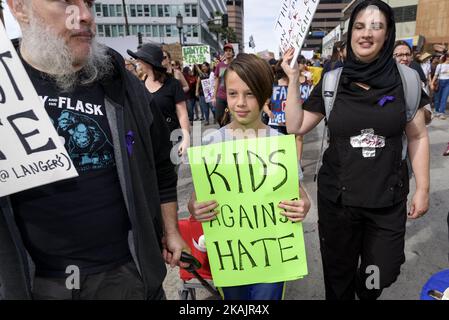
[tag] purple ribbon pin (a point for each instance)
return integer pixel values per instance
(386, 99)
(129, 142)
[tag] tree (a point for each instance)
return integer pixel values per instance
(230, 35)
(216, 27)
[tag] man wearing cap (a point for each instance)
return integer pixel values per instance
(106, 233)
(219, 99)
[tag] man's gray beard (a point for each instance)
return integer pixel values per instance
(49, 53)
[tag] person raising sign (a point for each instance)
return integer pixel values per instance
(248, 83)
(364, 182)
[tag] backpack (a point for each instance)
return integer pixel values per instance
(411, 84)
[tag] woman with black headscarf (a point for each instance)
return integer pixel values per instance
(362, 192)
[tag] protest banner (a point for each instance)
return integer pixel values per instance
(278, 101)
(250, 241)
(293, 24)
(208, 89)
(308, 54)
(195, 54)
(305, 91)
(31, 153)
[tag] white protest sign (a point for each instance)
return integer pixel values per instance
(195, 55)
(308, 54)
(31, 153)
(208, 89)
(293, 24)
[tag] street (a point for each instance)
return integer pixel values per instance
(426, 247)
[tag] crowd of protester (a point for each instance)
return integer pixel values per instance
(118, 221)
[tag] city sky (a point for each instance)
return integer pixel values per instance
(260, 19)
(11, 25)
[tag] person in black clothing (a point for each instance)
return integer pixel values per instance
(338, 57)
(166, 92)
(417, 67)
(174, 69)
(116, 223)
(363, 183)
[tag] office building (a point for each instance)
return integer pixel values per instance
(328, 15)
(432, 21)
(235, 10)
(156, 19)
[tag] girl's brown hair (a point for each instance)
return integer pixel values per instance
(256, 73)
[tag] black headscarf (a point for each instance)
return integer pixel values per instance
(382, 72)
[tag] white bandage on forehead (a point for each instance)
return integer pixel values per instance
(371, 18)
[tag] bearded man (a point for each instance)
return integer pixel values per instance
(105, 234)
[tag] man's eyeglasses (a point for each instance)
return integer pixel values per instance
(402, 55)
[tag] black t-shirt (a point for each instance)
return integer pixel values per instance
(166, 99)
(359, 176)
(417, 67)
(203, 76)
(81, 221)
(332, 65)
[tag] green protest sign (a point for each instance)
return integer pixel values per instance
(250, 241)
(196, 54)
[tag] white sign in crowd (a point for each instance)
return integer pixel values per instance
(208, 88)
(293, 24)
(329, 41)
(31, 152)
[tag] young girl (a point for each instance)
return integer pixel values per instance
(248, 82)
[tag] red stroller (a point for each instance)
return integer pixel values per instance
(198, 274)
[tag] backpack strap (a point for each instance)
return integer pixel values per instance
(411, 83)
(331, 79)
